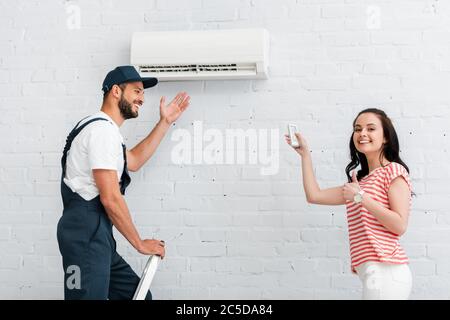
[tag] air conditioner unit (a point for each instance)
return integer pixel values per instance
(201, 55)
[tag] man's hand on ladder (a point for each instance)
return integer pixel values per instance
(152, 247)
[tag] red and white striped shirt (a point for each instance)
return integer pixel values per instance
(369, 239)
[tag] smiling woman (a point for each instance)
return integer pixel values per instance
(373, 135)
(378, 200)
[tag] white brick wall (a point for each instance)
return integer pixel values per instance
(231, 232)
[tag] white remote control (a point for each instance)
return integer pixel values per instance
(292, 129)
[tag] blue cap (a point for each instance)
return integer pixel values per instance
(125, 74)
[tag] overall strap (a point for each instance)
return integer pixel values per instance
(125, 179)
(70, 139)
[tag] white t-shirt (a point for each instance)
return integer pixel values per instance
(97, 146)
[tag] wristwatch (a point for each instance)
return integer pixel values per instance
(357, 198)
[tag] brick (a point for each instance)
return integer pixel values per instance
(42, 202)
(13, 247)
(228, 264)
(338, 294)
(198, 188)
(315, 83)
(250, 250)
(122, 18)
(10, 292)
(9, 90)
(12, 262)
(214, 235)
(274, 236)
(281, 203)
(153, 218)
(4, 76)
(329, 266)
(13, 175)
(249, 280)
(341, 11)
(437, 251)
(43, 75)
(203, 250)
(332, 24)
(10, 34)
(324, 235)
(247, 189)
(307, 220)
(271, 219)
(280, 265)
(205, 15)
(16, 189)
(396, 38)
(305, 281)
(381, 82)
(145, 189)
(203, 264)
(32, 233)
(180, 5)
(231, 293)
(423, 267)
(345, 281)
(442, 268)
(165, 16)
(5, 233)
(304, 12)
(207, 219)
(237, 236)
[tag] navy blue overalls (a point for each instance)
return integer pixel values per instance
(92, 267)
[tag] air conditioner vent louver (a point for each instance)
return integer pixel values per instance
(197, 68)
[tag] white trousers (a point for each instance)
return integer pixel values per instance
(384, 281)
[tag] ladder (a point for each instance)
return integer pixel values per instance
(147, 277)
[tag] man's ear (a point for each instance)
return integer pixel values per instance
(116, 91)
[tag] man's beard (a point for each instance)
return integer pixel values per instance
(126, 109)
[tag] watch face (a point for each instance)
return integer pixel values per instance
(357, 198)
